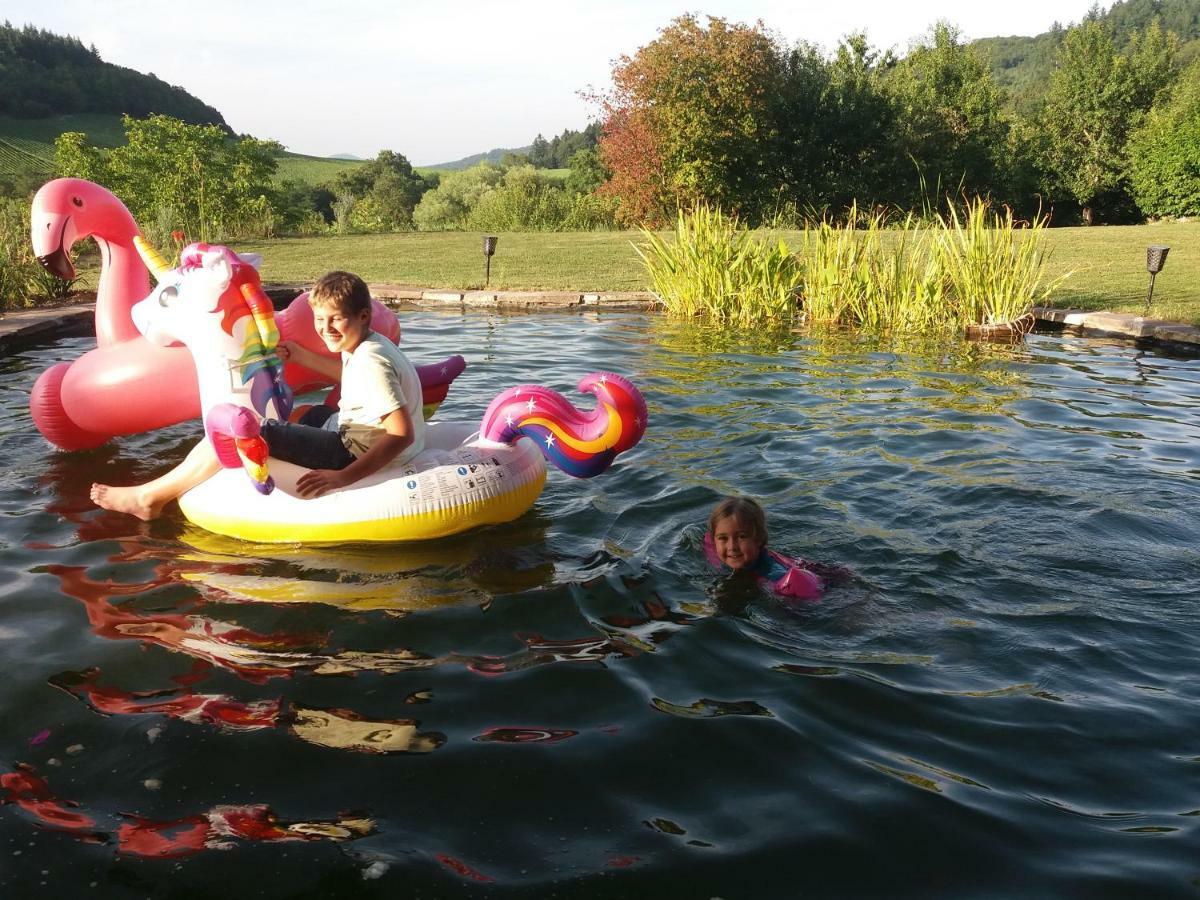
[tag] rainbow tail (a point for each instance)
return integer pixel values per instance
(235, 434)
(581, 444)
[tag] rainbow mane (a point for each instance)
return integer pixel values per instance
(581, 444)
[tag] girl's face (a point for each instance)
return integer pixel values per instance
(737, 544)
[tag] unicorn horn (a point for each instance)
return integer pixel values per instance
(152, 258)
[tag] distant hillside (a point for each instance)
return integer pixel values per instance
(545, 154)
(1022, 66)
(492, 156)
(45, 74)
(349, 156)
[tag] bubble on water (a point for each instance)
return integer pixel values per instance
(152, 784)
(153, 733)
(75, 748)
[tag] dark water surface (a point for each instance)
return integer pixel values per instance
(1003, 703)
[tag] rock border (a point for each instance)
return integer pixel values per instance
(1126, 325)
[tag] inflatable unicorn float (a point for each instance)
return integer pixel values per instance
(123, 385)
(467, 475)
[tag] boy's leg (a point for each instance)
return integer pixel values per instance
(146, 501)
(312, 448)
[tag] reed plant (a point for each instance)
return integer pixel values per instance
(865, 274)
(995, 271)
(715, 267)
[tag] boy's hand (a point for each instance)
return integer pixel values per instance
(316, 482)
(286, 349)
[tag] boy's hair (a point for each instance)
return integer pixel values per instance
(745, 511)
(343, 290)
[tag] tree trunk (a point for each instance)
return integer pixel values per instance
(1087, 215)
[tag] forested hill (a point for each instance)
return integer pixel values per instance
(1022, 65)
(45, 74)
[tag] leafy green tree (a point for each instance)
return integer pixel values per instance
(587, 172)
(448, 206)
(1097, 97)
(181, 176)
(393, 187)
(1086, 119)
(853, 129)
(539, 153)
(948, 114)
(1164, 153)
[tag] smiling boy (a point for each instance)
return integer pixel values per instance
(378, 420)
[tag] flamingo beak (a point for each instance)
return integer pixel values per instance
(57, 260)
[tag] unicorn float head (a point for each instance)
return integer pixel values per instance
(213, 303)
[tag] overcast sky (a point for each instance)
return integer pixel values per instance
(437, 81)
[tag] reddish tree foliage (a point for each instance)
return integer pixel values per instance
(691, 117)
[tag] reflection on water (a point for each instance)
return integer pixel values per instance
(999, 701)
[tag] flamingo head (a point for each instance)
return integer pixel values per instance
(67, 210)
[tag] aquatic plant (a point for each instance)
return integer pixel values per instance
(995, 270)
(716, 267)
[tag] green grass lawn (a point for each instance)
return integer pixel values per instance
(1109, 263)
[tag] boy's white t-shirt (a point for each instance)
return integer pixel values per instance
(377, 379)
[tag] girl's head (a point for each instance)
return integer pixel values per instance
(738, 528)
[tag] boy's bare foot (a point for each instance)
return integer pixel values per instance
(125, 500)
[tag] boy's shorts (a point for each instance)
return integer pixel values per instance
(306, 443)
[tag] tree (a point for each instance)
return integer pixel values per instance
(539, 153)
(587, 172)
(853, 129)
(948, 118)
(1085, 122)
(1164, 153)
(688, 118)
(173, 175)
(391, 185)
(448, 206)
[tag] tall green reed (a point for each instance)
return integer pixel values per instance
(996, 272)
(715, 267)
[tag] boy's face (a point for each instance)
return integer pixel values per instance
(342, 332)
(737, 544)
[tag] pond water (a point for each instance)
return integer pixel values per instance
(1003, 700)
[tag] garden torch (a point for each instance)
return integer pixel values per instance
(1156, 258)
(489, 247)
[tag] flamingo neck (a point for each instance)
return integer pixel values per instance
(123, 282)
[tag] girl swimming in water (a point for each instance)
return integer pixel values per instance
(736, 541)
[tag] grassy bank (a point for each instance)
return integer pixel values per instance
(1109, 263)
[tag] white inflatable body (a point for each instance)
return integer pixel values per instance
(458, 481)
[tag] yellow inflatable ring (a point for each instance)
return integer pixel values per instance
(459, 481)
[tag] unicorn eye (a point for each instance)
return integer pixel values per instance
(168, 295)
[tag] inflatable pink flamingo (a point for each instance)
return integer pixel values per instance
(127, 384)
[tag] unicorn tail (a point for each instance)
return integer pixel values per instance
(581, 444)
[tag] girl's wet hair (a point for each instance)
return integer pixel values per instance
(746, 511)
